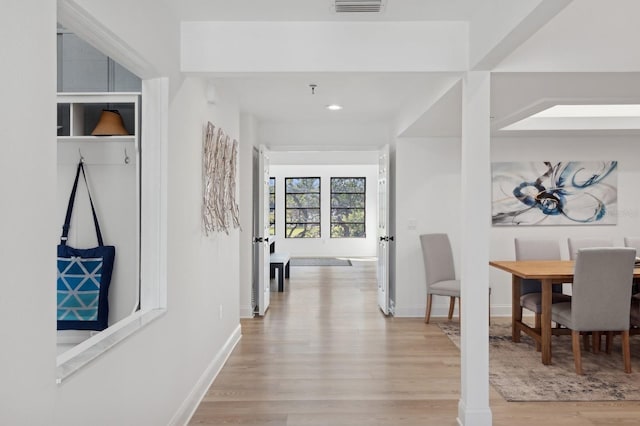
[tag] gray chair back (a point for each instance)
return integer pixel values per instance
(633, 242)
(536, 249)
(602, 289)
(576, 244)
(438, 258)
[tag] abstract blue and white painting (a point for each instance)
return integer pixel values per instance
(555, 193)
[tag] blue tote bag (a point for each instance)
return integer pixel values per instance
(84, 275)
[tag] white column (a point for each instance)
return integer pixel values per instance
(473, 408)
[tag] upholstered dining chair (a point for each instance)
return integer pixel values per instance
(600, 300)
(530, 290)
(634, 242)
(439, 271)
(576, 244)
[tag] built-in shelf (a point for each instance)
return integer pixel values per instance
(78, 114)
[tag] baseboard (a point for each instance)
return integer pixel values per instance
(475, 417)
(438, 311)
(190, 404)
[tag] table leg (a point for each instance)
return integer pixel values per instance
(516, 312)
(546, 321)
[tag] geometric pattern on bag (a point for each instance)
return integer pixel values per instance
(79, 288)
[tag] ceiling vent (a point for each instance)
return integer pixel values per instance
(358, 6)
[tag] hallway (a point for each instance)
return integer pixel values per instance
(325, 355)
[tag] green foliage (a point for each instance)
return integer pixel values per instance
(302, 185)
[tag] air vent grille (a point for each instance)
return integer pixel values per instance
(358, 6)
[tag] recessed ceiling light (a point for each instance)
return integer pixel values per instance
(334, 107)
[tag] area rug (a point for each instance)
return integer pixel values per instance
(517, 373)
(319, 261)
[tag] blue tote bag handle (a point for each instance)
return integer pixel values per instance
(72, 198)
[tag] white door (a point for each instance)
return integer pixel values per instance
(261, 234)
(383, 230)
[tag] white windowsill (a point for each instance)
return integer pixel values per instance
(74, 359)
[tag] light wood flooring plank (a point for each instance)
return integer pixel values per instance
(325, 355)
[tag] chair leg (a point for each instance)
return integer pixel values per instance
(577, 357)
(626, 351)
(585, 341)
(596, 342)
(452, 305)
(489, 306)
(537, 324)
(427, 314)
(609, 342)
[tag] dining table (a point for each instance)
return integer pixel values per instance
(548, 272)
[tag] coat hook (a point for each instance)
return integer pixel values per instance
(81, 157)
(126, 157)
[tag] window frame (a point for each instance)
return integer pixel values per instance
(332, 208)
(287, 208)
(272, 210)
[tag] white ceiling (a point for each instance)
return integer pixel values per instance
(376, 97)
(365, 97)
(319, 10)
(286, 97)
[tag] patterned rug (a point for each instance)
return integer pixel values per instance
(517, 373)
(319, 261)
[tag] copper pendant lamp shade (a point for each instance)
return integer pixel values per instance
(110, 124)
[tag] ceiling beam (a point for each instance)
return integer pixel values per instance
(497, 30)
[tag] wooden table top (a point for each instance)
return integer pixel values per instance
(542, 269)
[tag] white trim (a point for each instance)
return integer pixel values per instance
(475, 417)
(69, 362)
(442, 310)
(74, 17)
(155, 137)
(191, 403)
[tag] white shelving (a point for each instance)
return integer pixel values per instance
(78, 114)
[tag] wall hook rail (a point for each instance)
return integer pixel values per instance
(126, 156)
(80, 155)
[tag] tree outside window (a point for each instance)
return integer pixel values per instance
(302, 207)
(348, 201)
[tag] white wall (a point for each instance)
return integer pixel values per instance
(324, 46)
(428, 190)
(326, 246)
(149, 377)
(328, 137)
(29, 229)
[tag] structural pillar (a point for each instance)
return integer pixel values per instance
(473, 407)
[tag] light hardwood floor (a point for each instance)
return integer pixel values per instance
(325, 355)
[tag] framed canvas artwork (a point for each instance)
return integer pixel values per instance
(554, 193)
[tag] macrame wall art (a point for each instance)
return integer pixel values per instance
(219, 158)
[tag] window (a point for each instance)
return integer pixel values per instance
(272, 206)
(348, 196)
(302, 207)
